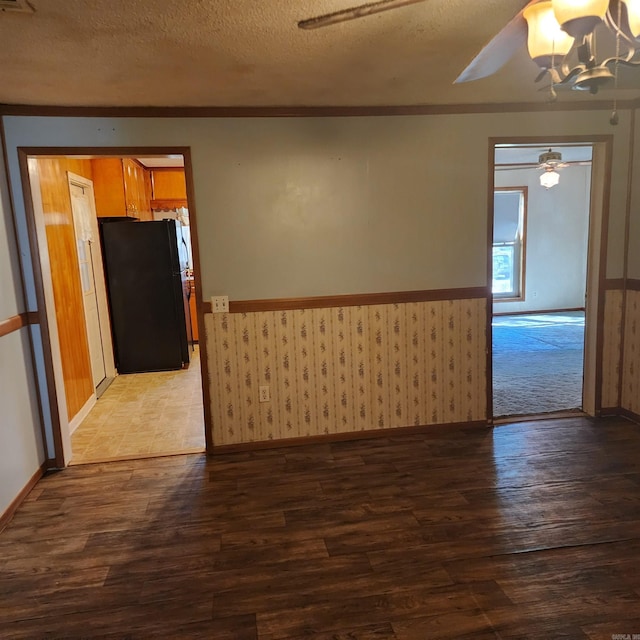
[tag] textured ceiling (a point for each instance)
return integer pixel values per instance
(251, 53)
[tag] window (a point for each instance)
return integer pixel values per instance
(509, 219)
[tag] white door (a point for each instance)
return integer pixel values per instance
(85, 241)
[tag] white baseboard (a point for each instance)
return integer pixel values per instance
(74, 423)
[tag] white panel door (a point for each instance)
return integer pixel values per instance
(85, 239)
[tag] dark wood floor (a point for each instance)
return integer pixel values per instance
(524, 531)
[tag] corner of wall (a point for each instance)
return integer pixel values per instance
(21, 440)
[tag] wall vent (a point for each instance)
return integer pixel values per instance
(16, 6)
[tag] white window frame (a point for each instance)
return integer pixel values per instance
(517, 291)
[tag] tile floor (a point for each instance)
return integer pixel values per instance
(142, 415)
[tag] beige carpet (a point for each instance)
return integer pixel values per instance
(537, 363)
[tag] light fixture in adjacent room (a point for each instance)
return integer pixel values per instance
(549, 162)
(549, 178)
(562, 37)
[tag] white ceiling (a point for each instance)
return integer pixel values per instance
(251, 53)
(164, 161)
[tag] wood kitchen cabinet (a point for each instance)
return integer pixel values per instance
(169, 187)
(148, 189)
(131, 187)
(120, 188)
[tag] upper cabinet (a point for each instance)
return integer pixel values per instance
(169, 188)
(121, 187)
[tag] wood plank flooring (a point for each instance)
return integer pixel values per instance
(528, 531)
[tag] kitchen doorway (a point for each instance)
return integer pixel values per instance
(546, 272)
(145, 412)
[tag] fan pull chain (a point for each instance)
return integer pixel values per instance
(613, 120)
(553, 95)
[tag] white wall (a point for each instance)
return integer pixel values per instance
(313, 206)
(556, 240)
(21, 452)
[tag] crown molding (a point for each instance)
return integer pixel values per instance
(308, 111)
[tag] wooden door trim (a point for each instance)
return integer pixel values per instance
(197, 281)
(600, 139)
(47, 353)
(491, 186)
(602, 275)
(24, 153)
(627, 284)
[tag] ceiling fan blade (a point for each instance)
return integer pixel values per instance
(354, 12)
(520, 166)
(499, 50)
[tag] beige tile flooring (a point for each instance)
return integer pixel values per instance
(143, 415)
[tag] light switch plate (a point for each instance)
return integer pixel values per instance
(219, 304)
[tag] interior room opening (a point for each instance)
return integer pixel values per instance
(539, 257)
(116, 235)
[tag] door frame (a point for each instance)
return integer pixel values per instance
(54, 403)
(599, 202)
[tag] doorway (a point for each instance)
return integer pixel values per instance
(125, 422)
(547, 213)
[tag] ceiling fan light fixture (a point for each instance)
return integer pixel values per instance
(592, 79)
(633, 16)
(546, 39)
(550, 158)
(579, 17)
(549, 178)
(560, 35)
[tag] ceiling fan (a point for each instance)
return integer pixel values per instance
(559, 34)
(549, 162)
(488, 61)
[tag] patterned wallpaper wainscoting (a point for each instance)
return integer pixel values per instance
(611, 347)
(346, 369)
(631, 364)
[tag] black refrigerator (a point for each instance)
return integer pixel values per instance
(145, 268)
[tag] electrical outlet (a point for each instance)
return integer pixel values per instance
(219, 304)
(265, 394)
